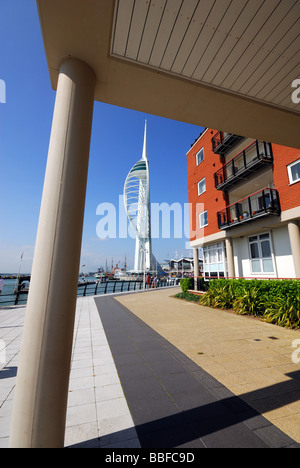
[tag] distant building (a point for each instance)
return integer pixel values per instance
(245, 197)
(181, 267)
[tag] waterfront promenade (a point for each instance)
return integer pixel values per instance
(149, 370)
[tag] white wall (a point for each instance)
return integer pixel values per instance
(241, 257)
(284, 265)
(283, 253)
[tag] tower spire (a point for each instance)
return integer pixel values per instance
(138, 209)
(145, 155)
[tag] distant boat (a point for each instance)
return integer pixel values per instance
(119, 273)
(22, 286)
(84, 281)
(98, 275)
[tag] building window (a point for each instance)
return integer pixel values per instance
(261, 257)
(200, 156)
(213, 261)
(201, 186)
(294, 172)
(203, 221)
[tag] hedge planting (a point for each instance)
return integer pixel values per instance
(275, 301)
(186, 284)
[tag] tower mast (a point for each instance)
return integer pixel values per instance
(137, 205)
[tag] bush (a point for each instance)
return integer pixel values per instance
(222, 297)
(276, 301)
(207, 299)
(284, 311)
(250, 302)
(186, 284)
(188, 296)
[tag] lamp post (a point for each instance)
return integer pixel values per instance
(144, 264)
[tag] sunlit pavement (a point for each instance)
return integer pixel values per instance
(191, 376)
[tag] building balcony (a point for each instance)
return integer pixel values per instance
(259, 204)
(249, 161)
(223, 142)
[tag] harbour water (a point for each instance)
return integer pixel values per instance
(7, 297)
(87, 286)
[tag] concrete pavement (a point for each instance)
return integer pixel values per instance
(97, 414)
(250, 358)
(153, 363)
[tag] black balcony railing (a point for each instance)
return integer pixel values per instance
(252, 159)
(222, 142)
(262, 203)
(88, 289)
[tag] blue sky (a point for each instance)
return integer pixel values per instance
(116, 144)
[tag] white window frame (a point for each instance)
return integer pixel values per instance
(214, 260)
(200, 193)
(289, 168)
(202, 225)
(201, 151)
(260, 258)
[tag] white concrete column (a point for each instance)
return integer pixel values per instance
(230, 258)
(294, 233)
(40, 402)
(196, 267)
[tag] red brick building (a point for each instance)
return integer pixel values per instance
(245, 197)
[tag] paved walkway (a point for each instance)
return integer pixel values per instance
(97, 409)
(250, 358)
(159, 376)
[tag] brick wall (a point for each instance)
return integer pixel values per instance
(289, 195)
(212, 199)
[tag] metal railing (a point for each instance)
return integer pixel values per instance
(222, 142)
(256, 156)
(262, 203)
(94, 289)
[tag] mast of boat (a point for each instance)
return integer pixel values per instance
(18, 275)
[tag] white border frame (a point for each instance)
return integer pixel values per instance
(200, 150)
(262, 273)
(198, 186)
(204, 225)
(290, 172)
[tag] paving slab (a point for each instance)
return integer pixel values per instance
(173, 401)
(250, 358)
(98, 415)
(151, 371)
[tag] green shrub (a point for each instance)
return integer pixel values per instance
(207, 299)
(225, 297)
(284, 311)
(186, 284)
(276, 301)
(220, 294)
(222, 298)
(250, 302)
(188, 296)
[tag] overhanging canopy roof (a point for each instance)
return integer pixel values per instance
(224, 64)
